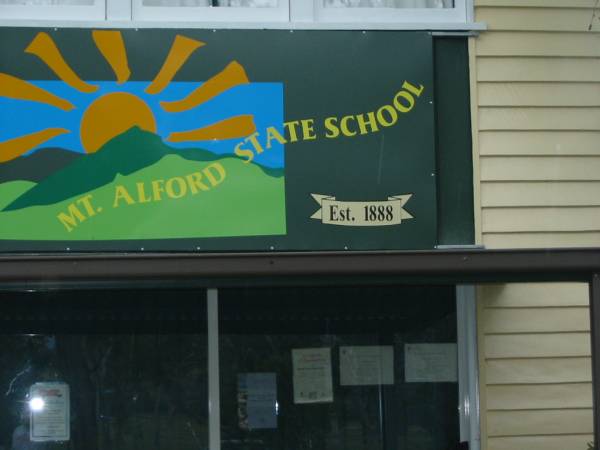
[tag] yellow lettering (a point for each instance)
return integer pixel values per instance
(393, 116)
(273, 133)
(182, 189)
(398, 104)
(291, 129)
(244, 152)
(255, 143)
(220, 171)
(122, 194)
(87, 204)
(332, 130)
(308, 132)
(157, 189)
(344, 126)
(413, 89)
(370, 122)
(70, 219)
(194, 182)
(142, 193)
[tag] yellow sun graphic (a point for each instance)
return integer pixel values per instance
(114, 113)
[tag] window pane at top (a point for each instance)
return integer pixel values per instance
(225, 3)
(250, 3)
(47, 2)
(388, 3)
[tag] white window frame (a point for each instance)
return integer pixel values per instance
(468, 366)
(289, 14)
(392, 15)
(280, 13)
(96, 11)
(468, 372)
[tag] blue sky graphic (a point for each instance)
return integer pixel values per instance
(263, 100)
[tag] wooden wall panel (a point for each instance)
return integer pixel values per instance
(528, 142)
(536, 320)
(541, 240)
(535, 19)
(512, 220)
(539, 371)
(518, 68)
(538, 94)
(542, 396)
(529, 168)
(537, 150)
(548, 422)
(554, 345)
(550, 43)
(556, 442)
(527, 118)
(544, 193)
(538, 3)
(528, 295)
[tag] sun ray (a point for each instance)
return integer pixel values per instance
(44, 48)
(12, 87)
(14, 148)
(112, 47)
(233, 75)
(234, 127)
(180, 51)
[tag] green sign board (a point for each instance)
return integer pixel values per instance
(226, 140)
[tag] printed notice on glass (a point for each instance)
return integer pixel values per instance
(430, 363)
(50, 411)
(257, 400)
(366, 365)
(312, 375)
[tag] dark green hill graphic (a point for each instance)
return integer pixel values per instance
(38, 165)
(127, 153)
(245, 202)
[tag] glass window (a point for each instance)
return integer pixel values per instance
(338, 368)
(388, 3)
(53, 9)
(393, 11)
(46, 2)
(249, 3)
(215, 3)
(134, 364)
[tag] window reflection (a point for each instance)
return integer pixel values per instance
(135, 364)
(270, 337)
(48, 2)
(215, 3)
(388, 3)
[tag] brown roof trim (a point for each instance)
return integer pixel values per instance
(499, 265)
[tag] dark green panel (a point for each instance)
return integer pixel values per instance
(454, 155)
(322, 74)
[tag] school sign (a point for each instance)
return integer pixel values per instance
(229, 140)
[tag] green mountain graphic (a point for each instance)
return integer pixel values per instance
(38, 165)
(118, 181)
(123, 155)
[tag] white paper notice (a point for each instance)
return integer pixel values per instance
(312, 375)
(366, 365)
(50, 410)
(257, 400)
(430, 363)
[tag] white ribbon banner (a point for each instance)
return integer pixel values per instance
(362, 214)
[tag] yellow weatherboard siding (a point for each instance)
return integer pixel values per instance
(536, 97)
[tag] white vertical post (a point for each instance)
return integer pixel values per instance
(468, 370)
(118, 10)
(214, 405)
(302, 10)
(469, 11)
